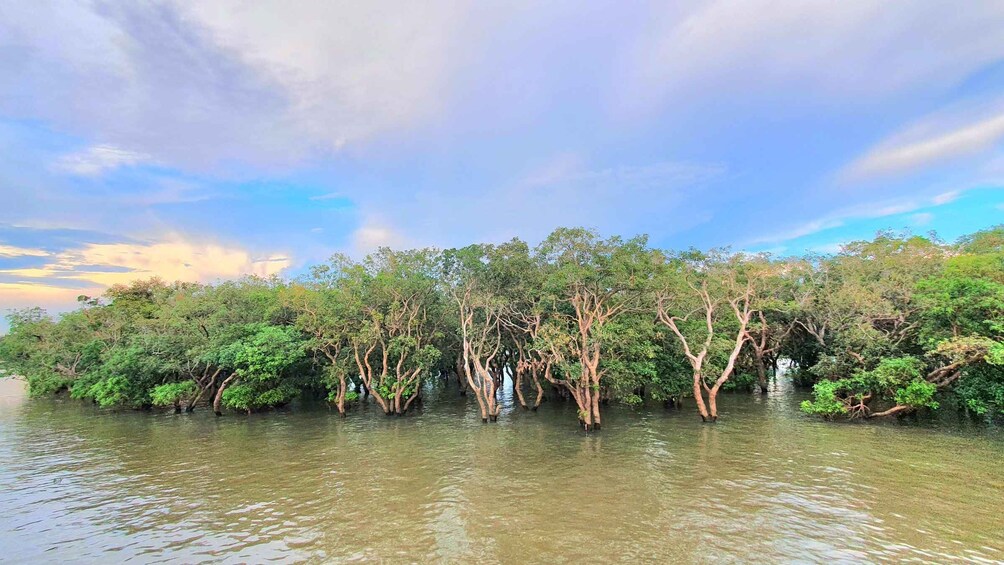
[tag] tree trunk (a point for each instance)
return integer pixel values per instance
(218, 400)
(761, 374)
(898, 409)
(195, 399)
(205, 385)
(491, 402)
(596, 407)
(397, 400)
(417, 394)
(340, 398)
(478, 390)
(540, 390)
(584, 404)
(713, 403)
(517, 387)
(699, 397)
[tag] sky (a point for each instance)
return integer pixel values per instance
(204, 140)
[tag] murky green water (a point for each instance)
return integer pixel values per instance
(764, 484)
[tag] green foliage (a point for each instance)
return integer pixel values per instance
(918, 393)
(170, 394)
(115, 390)
(825, 401)
(265, 358)
(982, 390)
(899, 321)
(240, 397)
(896, 380)
(743, 381)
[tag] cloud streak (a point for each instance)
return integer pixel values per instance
(10, 251)
(909, 151)
(100, 265)
(99, 159)
(832, 51)
(865, 211)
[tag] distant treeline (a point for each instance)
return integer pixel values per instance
(885, 327)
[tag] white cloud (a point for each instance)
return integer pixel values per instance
(328, 196)
(374, 234)
(864, 211)
(946, 197)
(848, 52)
(802, 230)
(841, 217)
(100, 265)
(90, 269)
(920, 147)
(350, 70)
(11, 251)
(667, 174)
(99, 159)
(199, 83)
(53, 299)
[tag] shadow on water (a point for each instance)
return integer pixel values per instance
(763, 484)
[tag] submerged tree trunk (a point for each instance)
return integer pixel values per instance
(190, 407)
(580, 391)
(218, 400)
(942, 378)
(517, 386)
(205, 383)
(702, 409)
(595, 406)
(713, 403)
(461, 375)
(761, 374)
(483, 385)
(340, 397)
(540, 389)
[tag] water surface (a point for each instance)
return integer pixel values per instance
(79, 484)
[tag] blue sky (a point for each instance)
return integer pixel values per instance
(206, 140)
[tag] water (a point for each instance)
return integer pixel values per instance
(763, 484)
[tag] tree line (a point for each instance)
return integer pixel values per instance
(885, 327)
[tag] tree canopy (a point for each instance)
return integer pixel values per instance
(890, 326)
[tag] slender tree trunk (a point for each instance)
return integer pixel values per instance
(761, 374)
(340, 399)
(206, 384)
(584, 405)
(898, 409)
(491, 403)
(417, 393)
(713, 403)
(596, 404)
(218, 400)
(517, 387)
(195, 399)
(540, 390)
(699, 397)
(472, 378)
(396, 402)
(461, 376)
